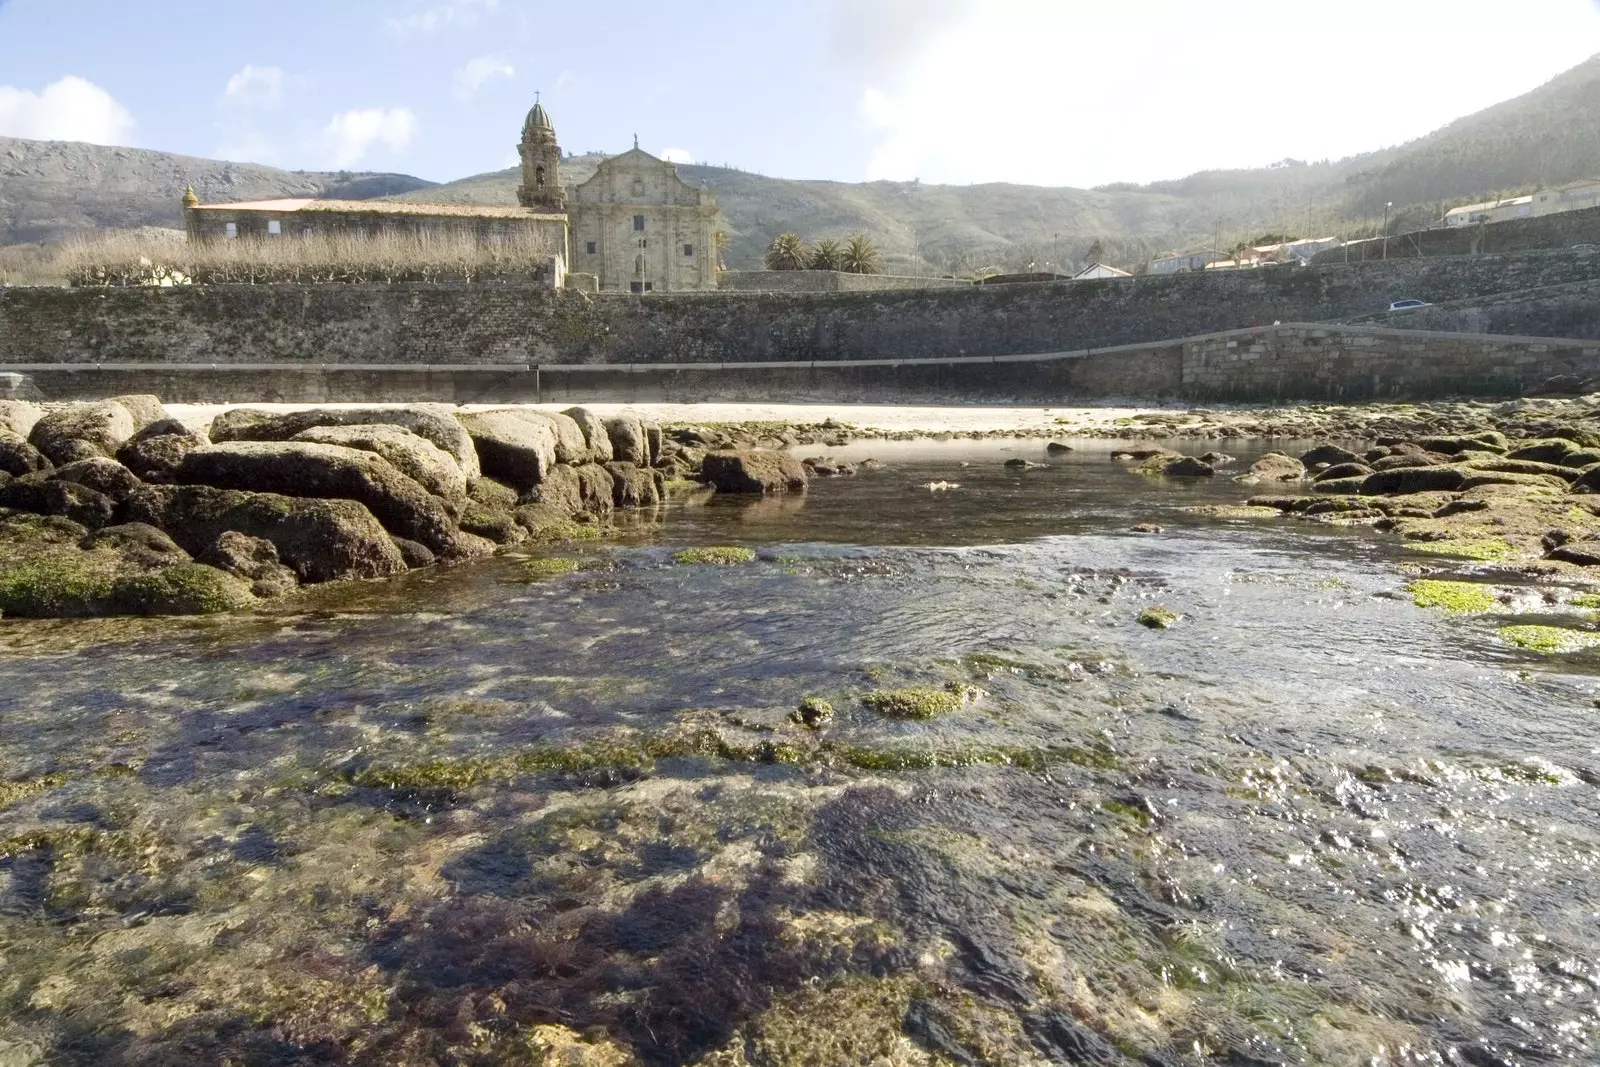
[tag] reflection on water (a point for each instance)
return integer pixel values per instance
(474, 817)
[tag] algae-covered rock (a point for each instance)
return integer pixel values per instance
(1585, 553)
(914, 703)
(321, 540)
(813, 713)
(155, 453)
(1178, 467)
(1157, 617)
(1549, 640)
(100, 474)
(630, 440)
(754, 471)
(636, 487)
(186, 589)
(1342, 470)
(1274, 467)
(496, 525)
(82, 431)
(412, 454)
(415, 555)
(717, 555)
(19, 416)
(1332, 455)
(512, 449)
(1460, 598)
(1414, 480)
(1401, 460)
(44, 495)
(435, 423)
(594, 432)
(18, 457)
(140, 543)
(333, 472)
(253, 560)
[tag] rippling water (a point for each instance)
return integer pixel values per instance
(483, 816)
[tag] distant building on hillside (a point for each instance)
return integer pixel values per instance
(1185, 263)
(1099, 270)
(1516, 207)
(635, 225)
(1572, 196)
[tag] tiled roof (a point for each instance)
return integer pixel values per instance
(382, 207)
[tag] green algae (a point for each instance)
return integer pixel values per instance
(1459, 598)
(717, 555)
(1484, 549)
(1587, 600)
(813, 712)
(916, 702)
(18, 790)
(1157, 617)
(551, 567)
(1549, 640)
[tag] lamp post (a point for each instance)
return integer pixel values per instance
(1386, 208)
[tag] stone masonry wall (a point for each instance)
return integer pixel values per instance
(1559, 231)
(826, 281)
(471, 323)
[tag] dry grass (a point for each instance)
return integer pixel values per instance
(142, 258)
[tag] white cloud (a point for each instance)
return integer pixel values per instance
(351, 134)
(451, 13)
(248, 147)
(256, 87)
(479, 72)
(677, 155)
(72, 109)
(1077, 93)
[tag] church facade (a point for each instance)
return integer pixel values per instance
(635, 226)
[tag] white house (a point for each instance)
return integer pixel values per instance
(1186, 263)
(1516, 207)
(1099, 270)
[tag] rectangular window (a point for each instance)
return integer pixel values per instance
(593, 248)
(233, 230)
(688, 250)
(637, 287)
(638, 223)
(649, 286)
(274, 228)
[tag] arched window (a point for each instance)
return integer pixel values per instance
(538, 177)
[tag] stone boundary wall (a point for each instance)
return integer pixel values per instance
(1555, 232)
(1571, 310)
(826, 281)
(414, 323)
(1295, 361)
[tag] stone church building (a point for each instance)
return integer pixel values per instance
(635, 226)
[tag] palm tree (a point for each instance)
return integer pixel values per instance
(861, 256)
(786, 252)
(826, 255)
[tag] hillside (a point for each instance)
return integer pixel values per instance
(50, 190)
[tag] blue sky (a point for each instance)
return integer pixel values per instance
(1057, 92)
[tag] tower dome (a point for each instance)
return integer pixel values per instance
(538, 123)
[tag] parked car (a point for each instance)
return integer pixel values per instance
(1408, 305)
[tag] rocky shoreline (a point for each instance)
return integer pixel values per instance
(114, 507)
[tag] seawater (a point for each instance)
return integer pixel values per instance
(479, 814)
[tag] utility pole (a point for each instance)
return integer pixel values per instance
(1386, 208)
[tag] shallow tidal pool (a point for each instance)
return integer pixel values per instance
(567, 811)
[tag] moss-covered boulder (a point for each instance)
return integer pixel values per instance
(1274, 467)
(141, 543)
(1401, 460)
(100, 474)
(512, 449)
(1177, 467)
(82, 431)
(1413, 480)
(320, 540)
(155, 453)
(18, 457)
(413, 455)
(594, 432)
(636, 487)
(630, 440)
(495, 524)
(253, 560)
(435, 423)
(332, 472)
(1343, 470)
(1332, 455)
(754, 471)
(44, 495)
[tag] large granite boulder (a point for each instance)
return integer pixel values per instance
(413, 455)
(512, 448)
(155, 453)
(320, 540)
(253, 560)
(144, 409)
(82, 431)
(594, 433)
(752, 471)
(636, 487)
(1274, 467)
(18, 457)
(100, 474)
(43, 495)
(630, 440)
(307, 469)
(19, 416)
(586, 487)
(435, 423)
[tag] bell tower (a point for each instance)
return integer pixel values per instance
(541, 188)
